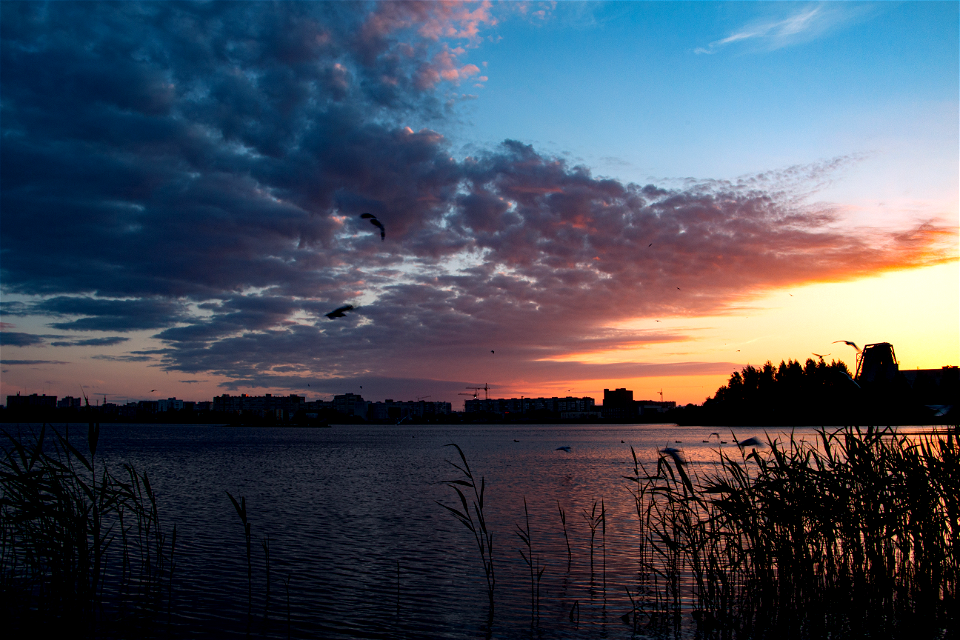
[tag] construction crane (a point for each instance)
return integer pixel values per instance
(420, 398)
(476, 392)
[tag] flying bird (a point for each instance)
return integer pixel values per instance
(820, 355)
(491, 351)
(340, 311)
(373, 220)
(847, 342)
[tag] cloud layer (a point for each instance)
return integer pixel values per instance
(199, 170)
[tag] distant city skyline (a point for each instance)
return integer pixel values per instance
(560, 197)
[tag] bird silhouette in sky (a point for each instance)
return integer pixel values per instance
(491, 351)
(847, 342)
(339, 311)
(821, 355)
(373, 220)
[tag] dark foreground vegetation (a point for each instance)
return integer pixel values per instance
(82, 552)
(856, 534)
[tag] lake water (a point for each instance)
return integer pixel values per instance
(356, 532)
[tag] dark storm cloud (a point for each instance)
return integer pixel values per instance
(90, 342)
(123, 358)
(199, 169)
(19, 339)
(101, 314)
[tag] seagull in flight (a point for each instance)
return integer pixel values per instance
(847, 342)
(340, 311)
(373, 220)
(821, 355)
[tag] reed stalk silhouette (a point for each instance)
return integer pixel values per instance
(533, 563)
(62, 566)
(594, 520)
(566, 538)
(474, 519)
(265, 545)
(241, 507)
(854, 534)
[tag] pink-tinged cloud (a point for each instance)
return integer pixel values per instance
(443, 66)
(457, 21)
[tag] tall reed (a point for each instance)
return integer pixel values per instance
(241, 507)
(594, 520)
(856, 534)
(566, 538)
(474, 519)
(533, 563)
(61, 564)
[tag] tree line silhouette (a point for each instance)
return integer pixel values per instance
(813, 393)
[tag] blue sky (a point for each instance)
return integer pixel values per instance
(623, 87)
(576, 196)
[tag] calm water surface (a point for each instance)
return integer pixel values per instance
(356, 533)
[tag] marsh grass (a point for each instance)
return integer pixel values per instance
(533, 563)
(856, 534)
(566, 538)
(81, 550)
(474, 519)
(853, 534)
(594, 520)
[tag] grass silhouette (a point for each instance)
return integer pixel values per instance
(81, 550)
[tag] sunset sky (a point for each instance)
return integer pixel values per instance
(576, 196)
